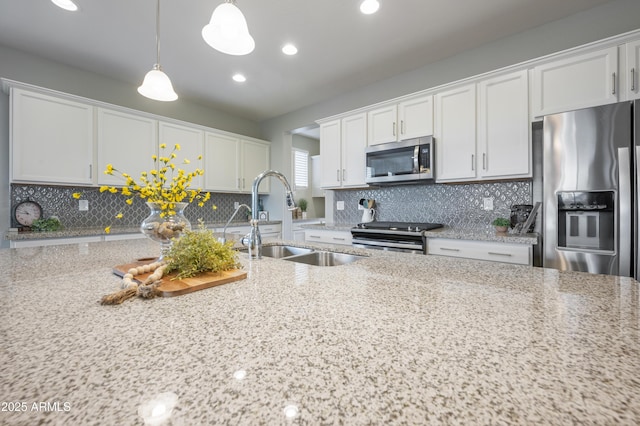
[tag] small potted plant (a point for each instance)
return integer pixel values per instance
(302, 203)
(501, 224)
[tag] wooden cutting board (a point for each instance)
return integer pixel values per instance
(170, 287)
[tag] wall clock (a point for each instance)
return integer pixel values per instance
(27, 212)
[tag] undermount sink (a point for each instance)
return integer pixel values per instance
(324, 258)
(278, 252)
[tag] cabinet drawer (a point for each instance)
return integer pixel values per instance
(481, 250)
(330, 237)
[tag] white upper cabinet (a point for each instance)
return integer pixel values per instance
(330, 154)
(383, 124)
(633, 69)
(408, 119)
(255, 160)
(455, 134)
(354, 143)
(416, 117)
(574, 82)
(231, 164)
(191, 142)
(504, 147)
(222, 162)
(342, 152)
(128, 142)
(52, 139)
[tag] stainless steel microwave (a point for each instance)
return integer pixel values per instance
(401, 162)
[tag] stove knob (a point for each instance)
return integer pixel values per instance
(417, 229)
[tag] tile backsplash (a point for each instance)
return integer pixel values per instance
(459, 205)
(58, 201)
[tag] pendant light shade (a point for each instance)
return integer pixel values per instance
(156, 84)
(227, 31)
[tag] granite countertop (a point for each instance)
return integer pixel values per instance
(390, 339)
(482, 234)
(96, 231)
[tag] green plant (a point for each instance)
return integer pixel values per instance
(302, 203)
(198, 251)
(501, 221)
(50, 224)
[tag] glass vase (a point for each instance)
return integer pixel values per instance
(165, 228)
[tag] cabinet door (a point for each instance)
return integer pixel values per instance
(383, 125)
(191, 143)
(580, 81)
(354, 143)
(255, 160)
(316, 174)
(126, 141)
(504, 149)
(51, 139)
(633, 69)
(330, 154)
(455, 134)
(222, 162)
(416, 117)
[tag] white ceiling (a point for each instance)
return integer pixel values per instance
(340, 49)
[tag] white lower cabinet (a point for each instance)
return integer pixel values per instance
(329, 236)
(481, 250)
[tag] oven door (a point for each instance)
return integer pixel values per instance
(390, 242)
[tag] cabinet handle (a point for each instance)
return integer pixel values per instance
(339, 239)
(344, 175)
(448, 249)
(473, 160)
(613, 83)
(402, 126)
(314, 236)
(242, 183)
(338, 175)
(633, 79)
(90, 171)
(239, 187)
(394, 128)
(500, 254)
(484, 161)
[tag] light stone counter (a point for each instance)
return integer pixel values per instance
(389, 339)
(96, 231)
(482, 234)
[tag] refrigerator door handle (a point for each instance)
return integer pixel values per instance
(635, 272)
(625, 213)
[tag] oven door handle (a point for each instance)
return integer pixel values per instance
(386, 244)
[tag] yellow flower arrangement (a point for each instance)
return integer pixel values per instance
(165, 184)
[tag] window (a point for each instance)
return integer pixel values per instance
(300, 162)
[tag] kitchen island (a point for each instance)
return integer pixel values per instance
(389, 339)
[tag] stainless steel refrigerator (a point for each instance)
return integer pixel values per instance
(591, 189)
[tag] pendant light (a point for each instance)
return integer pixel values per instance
(227, 30)
(156, 84)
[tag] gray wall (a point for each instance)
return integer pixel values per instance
(611, 19)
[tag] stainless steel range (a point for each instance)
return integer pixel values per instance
(392, 236)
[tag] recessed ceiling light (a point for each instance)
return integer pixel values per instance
(369, 6)
(66, 5)
(239, 78)
(289, 49)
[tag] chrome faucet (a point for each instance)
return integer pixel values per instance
(253, 240)
(224, 231)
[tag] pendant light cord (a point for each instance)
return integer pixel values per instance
(158, 34)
